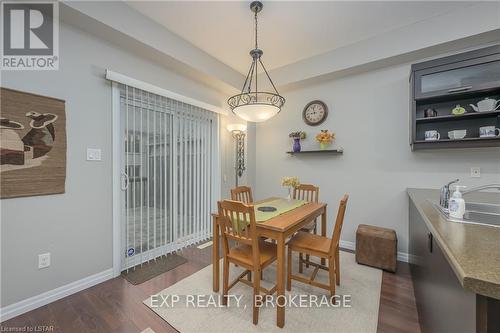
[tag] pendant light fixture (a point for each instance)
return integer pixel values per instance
(252, 104)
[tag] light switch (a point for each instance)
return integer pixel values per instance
(43, 260)
(93, 154)
(475, 172)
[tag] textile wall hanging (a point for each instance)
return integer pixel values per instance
(32, 144)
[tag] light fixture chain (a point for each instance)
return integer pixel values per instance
(256, 30)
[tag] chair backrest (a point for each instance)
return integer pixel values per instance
(306, 192)
(338, 224)
(242, 193)
(238, 222)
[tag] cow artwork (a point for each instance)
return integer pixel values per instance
(32, 144)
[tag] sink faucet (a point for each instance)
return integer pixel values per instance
(482, 187)
(445, 194)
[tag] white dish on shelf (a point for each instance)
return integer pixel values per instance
(457, 134)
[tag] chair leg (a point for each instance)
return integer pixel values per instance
(301, 258)
(331, 276)
(249, 276)
(289, 270)
(307, 258)
(225, 282)
(337, 266)
(256, 291)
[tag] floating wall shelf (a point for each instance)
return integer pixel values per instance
(321, 151)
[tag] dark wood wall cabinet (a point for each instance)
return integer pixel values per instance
(460, 80)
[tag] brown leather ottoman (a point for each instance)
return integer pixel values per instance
(377, 247)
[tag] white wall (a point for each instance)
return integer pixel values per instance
(75, 227)
(369, 114)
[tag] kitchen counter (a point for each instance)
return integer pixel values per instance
(473, 251)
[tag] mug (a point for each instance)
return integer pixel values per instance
(430, 113)
(488, 131)
(432, 135)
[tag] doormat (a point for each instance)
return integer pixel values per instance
(139, 274)
(148, 330)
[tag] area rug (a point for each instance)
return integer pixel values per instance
(153, 268)
(191, 306)
(148, 330)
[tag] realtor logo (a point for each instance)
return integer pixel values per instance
(30, 35)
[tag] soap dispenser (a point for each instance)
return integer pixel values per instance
(456, 205)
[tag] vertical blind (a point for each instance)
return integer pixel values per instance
(169, 164)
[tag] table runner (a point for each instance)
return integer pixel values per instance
(282, 206)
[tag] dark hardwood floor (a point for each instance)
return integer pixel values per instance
(398, 310)
(115, 306)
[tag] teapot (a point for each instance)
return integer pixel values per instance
(486, 105)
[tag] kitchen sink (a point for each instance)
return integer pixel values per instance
(475, 213)
(482, 207)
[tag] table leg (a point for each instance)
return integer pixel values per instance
(215, 255)
(323, 231)
(280, 281)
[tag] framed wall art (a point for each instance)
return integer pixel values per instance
(32, 144)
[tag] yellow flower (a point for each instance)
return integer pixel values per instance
(325, 137)
(290, 181)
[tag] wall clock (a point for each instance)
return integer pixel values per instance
(315, 113)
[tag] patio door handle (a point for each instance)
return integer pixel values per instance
(125, 181)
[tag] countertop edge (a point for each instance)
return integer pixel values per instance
(470, 283)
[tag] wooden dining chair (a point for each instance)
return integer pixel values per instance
(251, 253)
(242, 193)
(309, 193)
(321, 247)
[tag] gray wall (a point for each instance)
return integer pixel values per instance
(76, 227)
(369, 114)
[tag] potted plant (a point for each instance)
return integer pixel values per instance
(325, 138)
(297, 136)
(290, 182)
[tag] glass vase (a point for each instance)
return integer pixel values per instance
(296, 145)
(323, 145)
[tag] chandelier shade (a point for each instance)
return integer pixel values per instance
(251, 104)
(256, 106)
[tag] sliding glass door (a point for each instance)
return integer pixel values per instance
(167, 164)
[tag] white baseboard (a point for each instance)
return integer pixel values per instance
(401, 256)
(16, 309)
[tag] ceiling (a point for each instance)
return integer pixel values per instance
(288, 31)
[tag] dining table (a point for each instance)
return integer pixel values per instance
(278, 228)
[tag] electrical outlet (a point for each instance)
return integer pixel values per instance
(43, 260)
(475, 172)
(93, 154)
